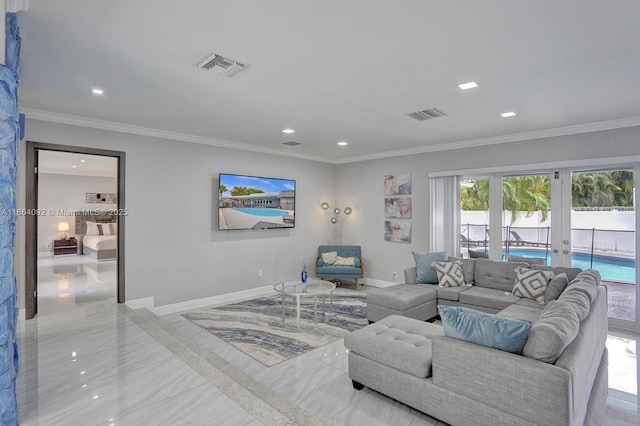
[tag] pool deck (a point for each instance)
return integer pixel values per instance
(622, 300)
(233, 219)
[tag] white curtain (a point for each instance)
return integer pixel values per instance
(445, 214)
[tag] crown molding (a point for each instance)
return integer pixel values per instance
(494, 140)
(15, 6)
(74, 120)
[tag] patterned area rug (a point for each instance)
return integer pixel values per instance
(256, 328)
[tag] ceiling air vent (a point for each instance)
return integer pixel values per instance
(291, 143)
(427, 114)
(219, 64)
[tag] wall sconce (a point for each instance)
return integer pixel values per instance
(64, 228)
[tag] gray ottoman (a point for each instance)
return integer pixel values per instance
(398, 342)
(416, 301)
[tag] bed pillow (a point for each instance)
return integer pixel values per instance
(484, 329)
(92, 228)
(329, 257)
(531, 283)
(449, 273)
(106, 228)
(425, 273)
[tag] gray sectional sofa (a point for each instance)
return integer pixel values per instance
(560, 378)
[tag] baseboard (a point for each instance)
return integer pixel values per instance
(219, 300)
(378, 283)
(145, 302)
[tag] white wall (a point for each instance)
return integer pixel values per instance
(361, 186)
(62, 193)
(174, 251)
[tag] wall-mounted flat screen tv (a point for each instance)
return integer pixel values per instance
(252, 202)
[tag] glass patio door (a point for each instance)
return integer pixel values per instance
(603, 219)
(527, 217)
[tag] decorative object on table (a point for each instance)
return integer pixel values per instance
(265, 337)
(64, 228)
(101, 198)
(397, 209)
(303, 277)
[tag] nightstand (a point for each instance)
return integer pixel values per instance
(61, 247)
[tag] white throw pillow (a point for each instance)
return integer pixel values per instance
(329, 257)
(345, 261)
(449, 273)
(531, 283)
(105, 228)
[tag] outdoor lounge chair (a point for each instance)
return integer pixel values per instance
(465, 242)
(468, 242)
(517, 240)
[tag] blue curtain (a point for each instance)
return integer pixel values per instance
(9, 144)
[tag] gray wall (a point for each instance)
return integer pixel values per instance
(361, 186)
(173, 249)
(175, 254)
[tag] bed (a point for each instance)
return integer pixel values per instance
(99, 235)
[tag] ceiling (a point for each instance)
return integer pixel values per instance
(65, 163)
(334, 71)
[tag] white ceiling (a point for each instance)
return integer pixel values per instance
(335, 70)
(65, 163)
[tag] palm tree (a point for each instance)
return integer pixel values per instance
(521, 193)
(603, 189)
(222, 189)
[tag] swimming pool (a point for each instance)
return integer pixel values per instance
(261, 211)
(610, 268)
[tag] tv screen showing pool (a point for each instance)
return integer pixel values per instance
(253, 202)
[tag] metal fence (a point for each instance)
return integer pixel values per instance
(591, 242)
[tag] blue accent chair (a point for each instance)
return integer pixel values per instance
(335, 272)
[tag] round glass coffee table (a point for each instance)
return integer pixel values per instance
(314, 288)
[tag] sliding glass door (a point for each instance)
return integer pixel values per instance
(564, 217)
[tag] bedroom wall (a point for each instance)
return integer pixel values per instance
(173, 249)
(360, 185)
(67, 192)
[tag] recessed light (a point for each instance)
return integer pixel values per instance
(74, 167)
(288, 131)
(468, 85)
(97, 91)
(83, 161)
(508, 114)
(343, 143)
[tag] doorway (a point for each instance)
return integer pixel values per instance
(32, 205)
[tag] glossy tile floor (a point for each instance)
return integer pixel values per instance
(87, 361)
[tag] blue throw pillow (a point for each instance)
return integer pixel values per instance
(484, 329)
(425, 273)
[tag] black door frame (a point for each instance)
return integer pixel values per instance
(31, 225)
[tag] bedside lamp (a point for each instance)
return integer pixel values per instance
(64, 228)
